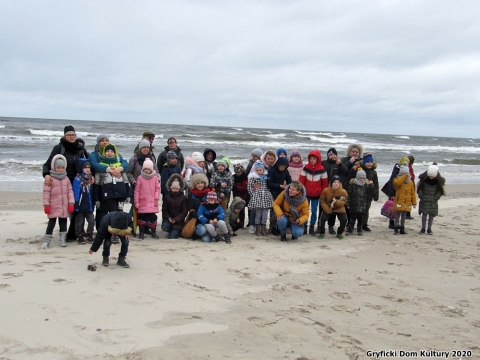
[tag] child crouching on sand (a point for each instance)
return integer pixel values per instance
(212, 216)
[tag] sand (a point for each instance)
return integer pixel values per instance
(257, 298)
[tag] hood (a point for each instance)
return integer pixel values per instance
(236, 200)
(208, 150)
(58, 156)
(351, 146)
(176, 177)
(281, 161)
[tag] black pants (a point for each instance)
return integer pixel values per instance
(62, 222)
(356, 216)
(342, 217)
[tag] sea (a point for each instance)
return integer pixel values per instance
(26, 143)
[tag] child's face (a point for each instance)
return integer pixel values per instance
(147, 171)
(201, 164)
(221, 168)
(259, 171)
(199, 185)
(109, 153)
(174, 189)
(332, 156)
(255, 157)
(173, 161)
(211, 201)
(86, 171)
(236, 211)
(145, 150)
(270, 160)
(296, 159)
(282, 168)
(431, 177)
(362, 179)
(313, 160)
(369, 165)
(60, 169)
(354, 152)
(335, 184)
(282, 155)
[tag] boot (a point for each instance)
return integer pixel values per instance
(366, 228)
(311, 230)
(396, 230)
(359, 232)
(263, 230)
(46, 241)
(283, 237)
(305, 229)
(63, 239)
(154, 233)
(349, 230)
(422, 231)
(322, 232)
(391, 224)
(227, 238)
(331, 230)
(81, 239)
(274, 231)
(217, 238)
(258, 230)
(121, 261)
(429, 232)
(402, 230)
(141, 234)
(105, 261)
(90, 238)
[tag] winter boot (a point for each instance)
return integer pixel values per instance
(141, 234)
(311, 230)
(217, 238)
(227, 238)
(274, 231)
(105, 261)
(283, 237)
(402, 230)
(90, 238)
(396, 230)
(258, 231)
(263, 230)
(46, 241)
(154, 233)
(422, 231)
(331, 230)
(294, 238)
(63, 239)
(305, 229)
(121, 261)
(81, 239)
(429, 232)
(366, 228)
(349, 230)
(359, 232)
(391, 224)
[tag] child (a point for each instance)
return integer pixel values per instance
(295, 165)
(110, 190)
(255, 156)
(117, 223)
(147, 193)
(412, 177)
(332, 201)
(174, 207)
(315, 179)
(209, 156)
(193, 165)
(222, 182)
(57, 200)
(82, 191)
(240, 189)
(260, 198)
(269, 158)
(212, 216)
(232, 215)
(359, 190)
(369, 167)
(168, 170)
(277, 180)
(404, 197)
(195, 198)
(430, 189)
(281, 152)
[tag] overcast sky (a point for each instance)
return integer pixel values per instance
(396, 67)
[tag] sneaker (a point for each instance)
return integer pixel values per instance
(81, 240)
(274, 231)
(105, 261)
(422, 231)
(217, 238)
(339, 236)
(251, 229)
(321, 236)
(359, 233)
(90, 238)
(294, 238)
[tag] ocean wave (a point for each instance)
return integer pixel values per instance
(412, 149)
(402, 137)
(21, 162)
(2, 126)
(330, 140)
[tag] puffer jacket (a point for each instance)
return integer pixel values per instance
(230, 214)
(327, 196)
(276, 177)
(59, 195)
(207, 212)
(218, 178)
(429, 192)
(135, 165)
(83, 196)
(358, 196)
(147, 193)
(404, 194)
(314, 177)
(281, 206)
(175, 203)
(260, 198)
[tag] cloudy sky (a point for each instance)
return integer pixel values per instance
(396, 67)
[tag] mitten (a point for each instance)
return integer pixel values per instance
(71, 209)
(97, 204)
(46, 209)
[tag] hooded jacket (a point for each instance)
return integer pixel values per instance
(175, 203)
(429, 192)
(341, 197)
(276, 178)
(108, 186)
(295, 169)
(146, 195)
(71, 152)
(162, 158)
(404, 194)
(116, 220)
(210, 166)
(230, 214)
(314, 177)
(346, 161)
(59, 195)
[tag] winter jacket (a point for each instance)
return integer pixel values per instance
(341, 197)
(115, 220)
(195, 198)
(240, 186)
(175, 203)
(358, 196)
(260, 198)
(275, 177)
(147, 193)
(58, 197)
(191, 167)
(162, 158)
(281, 206)
(210, 166)
(429, 192)
(167, 171)
(135, 165)
(71, 151)
(314, 177)
(404, 195)
(83, 195)
(230, 214)
(345, 177)
(388, 188)
(332, 168)
(371, 174)
(218, 178)
(295, 169)
(95, 159)
(207, 212)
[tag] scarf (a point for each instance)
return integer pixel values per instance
(199, 193)
(58, 175)
(148, 176)
(294, 202)
(358, 182)
(113, 162)
(70, 147)
(85, 181)
(240, 178)
(295, 165)
(141, 158)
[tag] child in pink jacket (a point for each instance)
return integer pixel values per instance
(147, 193)
(58, 200)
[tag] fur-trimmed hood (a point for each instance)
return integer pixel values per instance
(177, 177)
(58, 156)
(351, 146)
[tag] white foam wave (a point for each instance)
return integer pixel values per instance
(408, 149)
(402, 137)
(46, 132)
(17, 162)
(330, 140)
(2, 126)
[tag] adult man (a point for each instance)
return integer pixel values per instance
(171, 146)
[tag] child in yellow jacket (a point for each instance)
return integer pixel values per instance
(405, 197)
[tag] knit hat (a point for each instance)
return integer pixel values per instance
(238, 168)
(102, 136)
(198, 177)
(212, 195)
(432, 171)
(175, 184)
(87, 164)
(227, 161)
(331, 151)
(404, 170)
(148, 133)
(197, 157)
(335, 178)
(404, 160)
(68, 129)
(147, 164)
(258, 164)
(295, 153)
(222, 162)
(239, 206)
(361, 174)
(257, 152)
(110, 147)
(281, 151)
(171, 154)
(60, 161)
(144, 143)
(367, 157)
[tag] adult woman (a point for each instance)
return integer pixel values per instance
(135, 163)
(72, 150)
(291, 208)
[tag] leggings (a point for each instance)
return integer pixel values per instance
(400, 218)
(51, 225)
(424, 221)
(261, 216)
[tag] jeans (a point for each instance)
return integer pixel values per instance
(172, 233)
(314, 206)
(283, 222)
(201, 231)
(107, 242)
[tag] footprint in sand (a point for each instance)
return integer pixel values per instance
(11, 275)
(340, 295)
(3, 286)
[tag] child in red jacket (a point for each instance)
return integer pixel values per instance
(315, 178)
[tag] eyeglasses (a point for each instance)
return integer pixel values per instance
(172, 142)
(70, 134)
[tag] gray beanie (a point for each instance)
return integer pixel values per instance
(143, 143)
(257, 152)
(102, 136)
(361, 174)
(59, 162)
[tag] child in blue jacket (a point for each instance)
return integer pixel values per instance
(212, 216)
(82, 192)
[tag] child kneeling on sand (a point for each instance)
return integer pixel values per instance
(114, 223)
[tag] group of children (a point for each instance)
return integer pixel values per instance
(343, 189)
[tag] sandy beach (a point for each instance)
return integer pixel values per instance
(257, 298)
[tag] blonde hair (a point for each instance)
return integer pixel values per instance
(297, 185)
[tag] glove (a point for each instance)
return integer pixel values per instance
(71, 208)
(97, 204)
(127, 200)
(46, 210)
